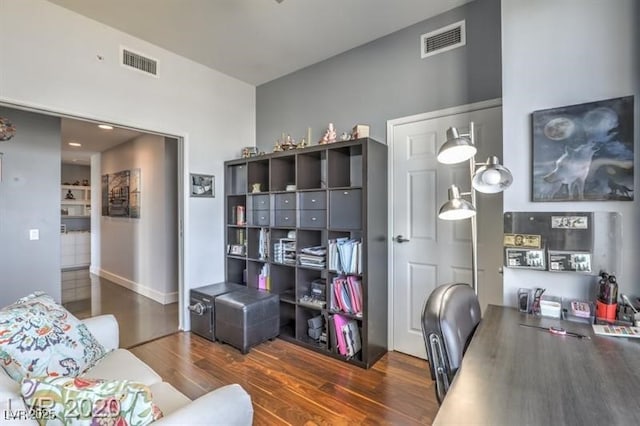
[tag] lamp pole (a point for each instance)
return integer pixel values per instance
(474, 223)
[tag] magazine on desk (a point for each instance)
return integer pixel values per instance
(616, 330)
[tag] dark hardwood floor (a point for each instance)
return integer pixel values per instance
(140, 319)
(290, 385)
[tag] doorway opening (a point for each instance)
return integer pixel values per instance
(135, 314)
(119, 227)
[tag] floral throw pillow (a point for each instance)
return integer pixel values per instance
(80, 401)
(38, 337)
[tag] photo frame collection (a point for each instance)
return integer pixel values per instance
(530, 251)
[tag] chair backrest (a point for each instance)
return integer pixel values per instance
(449, 318)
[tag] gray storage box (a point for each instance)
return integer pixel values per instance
(260, 218)
(285, 201)
(345, 209)
(313, 219)
(315, 200)
(284, 218)
(247, 318)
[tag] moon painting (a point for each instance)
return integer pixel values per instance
(584, 152)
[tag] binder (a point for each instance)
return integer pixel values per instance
(340, 321)
(352, 338)
(355, 294)
(337, 288)
(346, 300)
(333, 338)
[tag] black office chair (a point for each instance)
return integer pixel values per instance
(449, 319)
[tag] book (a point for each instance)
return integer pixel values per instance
(616, 330)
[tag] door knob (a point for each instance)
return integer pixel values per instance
(401, 239)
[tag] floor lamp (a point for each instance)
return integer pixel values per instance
(489, 177)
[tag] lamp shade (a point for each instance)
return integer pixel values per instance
(456, 149)
(456, 208)
(492, 177)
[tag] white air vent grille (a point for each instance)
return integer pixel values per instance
(444, 39)
(139, 62)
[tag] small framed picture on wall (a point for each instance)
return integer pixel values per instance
(202, 185)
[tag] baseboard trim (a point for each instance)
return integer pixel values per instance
(164, 298)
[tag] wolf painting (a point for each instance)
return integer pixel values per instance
(584, 152)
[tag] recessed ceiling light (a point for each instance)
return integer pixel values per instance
(105, 127)
(75, 144)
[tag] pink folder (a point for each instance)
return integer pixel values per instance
(340, 321)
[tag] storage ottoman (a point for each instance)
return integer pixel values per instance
(245, 318)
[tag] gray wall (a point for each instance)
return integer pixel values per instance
(551, 60)
(30, 199)
(73, 172)
(385, 79)
(141, 254)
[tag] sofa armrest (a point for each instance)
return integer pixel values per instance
(228, 405)
(105, 329)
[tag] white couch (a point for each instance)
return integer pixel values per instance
(228, 405)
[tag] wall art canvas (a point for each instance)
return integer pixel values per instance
(121, 194)
(584, 152)
(202, 185)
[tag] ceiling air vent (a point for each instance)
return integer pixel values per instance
(139, 62)
(443, 39)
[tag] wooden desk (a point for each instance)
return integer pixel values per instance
(514, 375)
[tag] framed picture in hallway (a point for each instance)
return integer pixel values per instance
(584, 152)
(121, 194)
(202, 185)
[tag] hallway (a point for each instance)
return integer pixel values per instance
(140, 319)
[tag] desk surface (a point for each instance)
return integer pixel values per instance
(514, 375)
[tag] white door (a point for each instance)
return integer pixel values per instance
(427, 252)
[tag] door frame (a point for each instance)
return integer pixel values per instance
(391, 125)
(182, 186)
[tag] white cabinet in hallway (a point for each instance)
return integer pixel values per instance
(75, 249)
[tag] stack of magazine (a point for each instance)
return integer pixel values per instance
(314, 257)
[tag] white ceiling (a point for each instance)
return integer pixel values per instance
(257, 41)
(92, 138)
(254, 41)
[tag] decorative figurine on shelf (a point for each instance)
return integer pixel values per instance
(277, 147)
(329, 135)
(245, 152)
(345, 136)
(69, 196)
(289, 143)
(302, 144)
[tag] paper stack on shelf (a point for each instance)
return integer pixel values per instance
(315, 257)
(345, 255)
